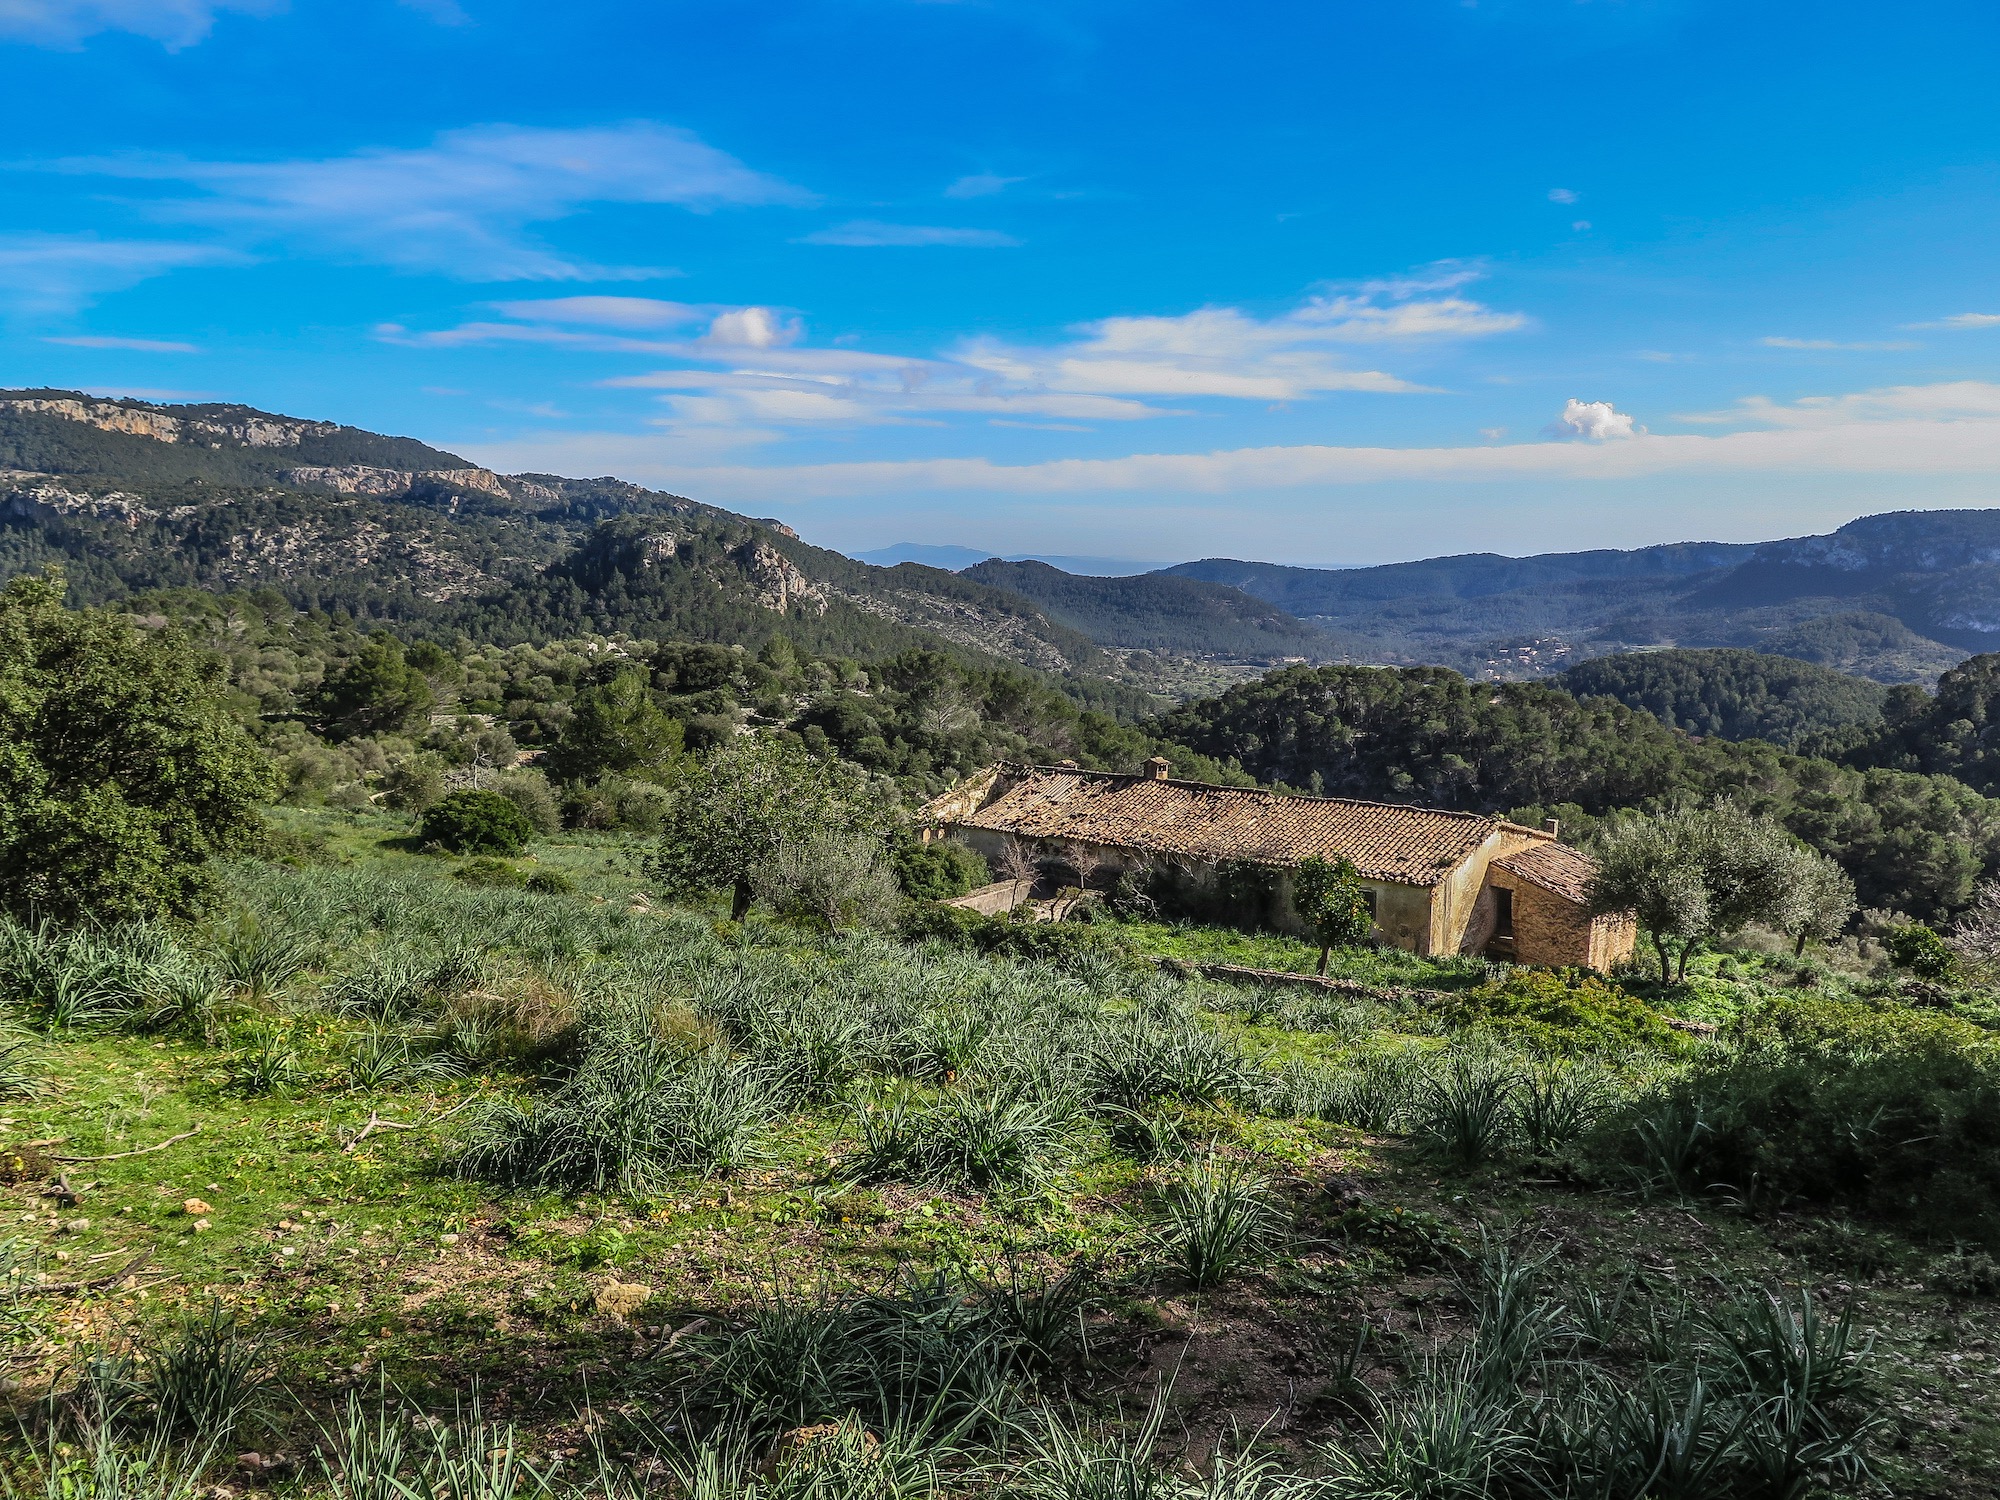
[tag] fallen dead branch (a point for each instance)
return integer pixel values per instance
(142, 1151)
(92, 1284)
(376, 1122)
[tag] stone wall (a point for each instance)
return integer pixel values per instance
(1552, 931)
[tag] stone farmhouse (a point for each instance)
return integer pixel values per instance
(1440, 882)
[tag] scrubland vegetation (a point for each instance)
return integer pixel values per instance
(420, 1145)
(493, 1191)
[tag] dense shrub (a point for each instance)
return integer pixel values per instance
(936, 871)
(488, 871)
(1875, 1108)
(1922, 951)
(1561, 1015)
(477, 822)
(1054, 942)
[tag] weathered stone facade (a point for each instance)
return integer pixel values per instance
(1441, 882)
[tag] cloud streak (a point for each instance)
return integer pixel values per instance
(750, 368)
(871, 233)
(137, 346)
(66, 23)
(461, 205)
(1911, 431)
(57, 273)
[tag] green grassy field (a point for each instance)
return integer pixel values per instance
(645, 1184)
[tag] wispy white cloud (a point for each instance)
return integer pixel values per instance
(461, 205)
(981, 185)
(751, 370)
(53, 273)
(137, 346)
(1223, 351)
(1910, 431)
(870, 233)
(66, 23)
(1780, 342)
(1956, 401)
(1962, 321)
(1563, 195)
(1592, 421)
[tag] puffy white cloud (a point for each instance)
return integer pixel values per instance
(867, 233)
(1594, 421)
(462, 204)
(65, 23)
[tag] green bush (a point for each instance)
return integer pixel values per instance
(1052, 942)
(936, 871)
(477, 822)
(1921, 951)
(551, 883)
(1555, 1014)
(1874, 1108)
(488, 871)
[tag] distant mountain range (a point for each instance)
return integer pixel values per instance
(132, 496)
(958, 559)
(1896, 597)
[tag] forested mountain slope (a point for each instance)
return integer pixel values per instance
(1159, 612)
(1738, 695)
(1895, 597)
(129, 495)
(1913, 842)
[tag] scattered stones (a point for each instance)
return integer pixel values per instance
(194, 1207)
(202, 1226)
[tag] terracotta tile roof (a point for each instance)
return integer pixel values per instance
(1405, 845)
(1554, 867)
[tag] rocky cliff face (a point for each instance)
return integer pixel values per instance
(228, 425)
(136, 495)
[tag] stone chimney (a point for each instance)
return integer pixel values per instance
(1552, 828)
(1158, 768)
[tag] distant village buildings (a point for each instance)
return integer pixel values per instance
(1441, 882)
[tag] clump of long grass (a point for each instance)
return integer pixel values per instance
(1220, 1218)
(971, 1137)
(1129, 1065)
(382, 1057)
(635, 1110)
(1464, 1110)
(377, 1452)
(931, 1355)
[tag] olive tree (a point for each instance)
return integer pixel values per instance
(731, 812)
(122, 771)
(831, 880)
(1695, 873)
(1331, 899)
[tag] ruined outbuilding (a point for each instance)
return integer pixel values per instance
(1439, 881)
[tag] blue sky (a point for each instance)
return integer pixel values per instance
(1331, 282)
